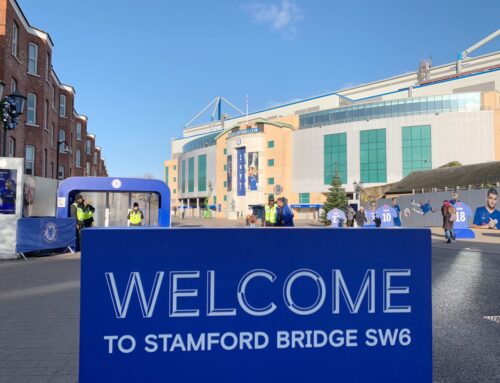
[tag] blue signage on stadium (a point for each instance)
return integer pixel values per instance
(301, 311)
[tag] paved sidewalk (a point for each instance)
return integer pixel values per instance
(39, 306)
(39, 317)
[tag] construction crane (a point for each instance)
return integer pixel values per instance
(462, 56)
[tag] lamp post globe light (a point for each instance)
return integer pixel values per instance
(358, 187)
(11, 108)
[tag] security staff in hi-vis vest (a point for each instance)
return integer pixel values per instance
(88, 214)
(270, 211)
(77, 211)
(135, 215)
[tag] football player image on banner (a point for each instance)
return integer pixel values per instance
(8, 191)
(253, 171)
(422, 207)
(229, 172)
(463, 214)
(488, 217)
(387, 215)
(336, 217)
(240, 163)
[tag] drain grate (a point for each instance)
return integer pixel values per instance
(494, 318)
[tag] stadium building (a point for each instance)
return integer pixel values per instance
(375, 133)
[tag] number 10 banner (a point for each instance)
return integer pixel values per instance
(306, 306)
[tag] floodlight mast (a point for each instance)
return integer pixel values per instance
(216, 112)
(462, 56)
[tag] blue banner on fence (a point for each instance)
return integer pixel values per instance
(157, 306)
(36, 234)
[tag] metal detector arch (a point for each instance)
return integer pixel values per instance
(73, 185)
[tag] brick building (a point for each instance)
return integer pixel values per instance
(49, 115)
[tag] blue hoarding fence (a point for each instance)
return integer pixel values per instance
(37, 234)
(294, 313)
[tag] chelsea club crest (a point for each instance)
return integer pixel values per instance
(49, 232)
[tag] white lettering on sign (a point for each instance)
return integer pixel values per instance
(340, 292)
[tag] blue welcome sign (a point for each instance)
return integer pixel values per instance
(291, 305)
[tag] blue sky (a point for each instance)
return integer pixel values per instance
(141, 70)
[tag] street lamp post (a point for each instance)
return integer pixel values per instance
(358, 187)
(11, 108)
(65, 150)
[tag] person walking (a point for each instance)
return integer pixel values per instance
(284, 216)
(360, 217)
(135, 216)
(350, 216)
(77, 212)
(449, 218)
(270, 212)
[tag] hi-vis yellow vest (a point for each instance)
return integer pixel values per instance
(135, 218)
(80, 214)
(271, 214)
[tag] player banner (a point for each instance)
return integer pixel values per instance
(304, 311)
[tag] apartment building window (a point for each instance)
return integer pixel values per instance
(31, 107)
(32, 58)
(15, 36)
(79, 131)
(270, 144)
(166, 175)
(175, 179)
(270, 162)
(78, 158)
(47, 67)
(62, 105)
(53, 97)
(12, 147)
(87, 170)
(175, 191)
(29, 165)
(52, 128)
(45, 162)
(270, 181)
(175, 168)
(13, 85)
(62, 137)
(225, 151)
(46, 121)
(61, 172)
(88, 147)
(95, 158)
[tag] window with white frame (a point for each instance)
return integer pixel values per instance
(32, 58)
(62, 105)
(13, 85)
(47, 67)
(52, 129)
(31, 109)
(78, 158)
(15, 36)
(87, 173)
(88, 147)
(79, 131)
(46, 120)
(29, 164)
(95, 158)
(62, 137)
(61, 172)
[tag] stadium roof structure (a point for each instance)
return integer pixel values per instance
(484, 174)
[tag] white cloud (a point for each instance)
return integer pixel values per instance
(279, 17)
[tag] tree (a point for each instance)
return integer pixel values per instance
(336, 198)
(452, 164)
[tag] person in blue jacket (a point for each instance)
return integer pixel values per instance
(284, 216)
